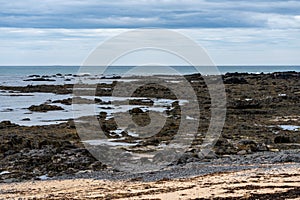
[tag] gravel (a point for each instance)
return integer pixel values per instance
(288, 158)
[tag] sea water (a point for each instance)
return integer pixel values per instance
(15, 107)
(119, 70)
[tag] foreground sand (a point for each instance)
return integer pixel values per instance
(266, 182)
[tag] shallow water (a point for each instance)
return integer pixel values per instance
(289, 127)
(109, 142)
(14, 107)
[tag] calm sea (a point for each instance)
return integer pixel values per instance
(120, 70)
(15, 107)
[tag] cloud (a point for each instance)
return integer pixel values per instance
(77, 14)
(226, 46)
(234, 32)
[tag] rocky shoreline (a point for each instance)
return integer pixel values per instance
(261, 127)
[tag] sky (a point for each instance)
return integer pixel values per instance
(236, 32)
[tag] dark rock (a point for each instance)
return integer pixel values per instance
(97, 166)
(224, 146)
(106, 108)
(57, 89)
(175, 104)
(102, 115)
(136, 110)
(145, 102)
(44, 108)
(64, 101)
(282, 158)
(187, 158)
(97, 100)
(282, 139)
(112, 77)
(285, 75)
(235, 80)
(34, 76)
(7, 110)
(40, 79)
(262, 147)
(75, 100)
(247, 145)
(243, 104)
(49, 160)
(7, 124)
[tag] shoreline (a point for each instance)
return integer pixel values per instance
(276, 182)
(261, 131)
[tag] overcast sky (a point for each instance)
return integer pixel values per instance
(63, 32)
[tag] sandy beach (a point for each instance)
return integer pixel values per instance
(266, 182)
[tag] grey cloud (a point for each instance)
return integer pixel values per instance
(150, 13)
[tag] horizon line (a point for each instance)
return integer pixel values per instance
(227, 65)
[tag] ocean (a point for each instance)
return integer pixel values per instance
(14, 105)
(119, 70)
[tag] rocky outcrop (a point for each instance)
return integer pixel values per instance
(44, 108)
(7, 124)
(256, 105)
(49, 160)
(235, 80)
(40, 79)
